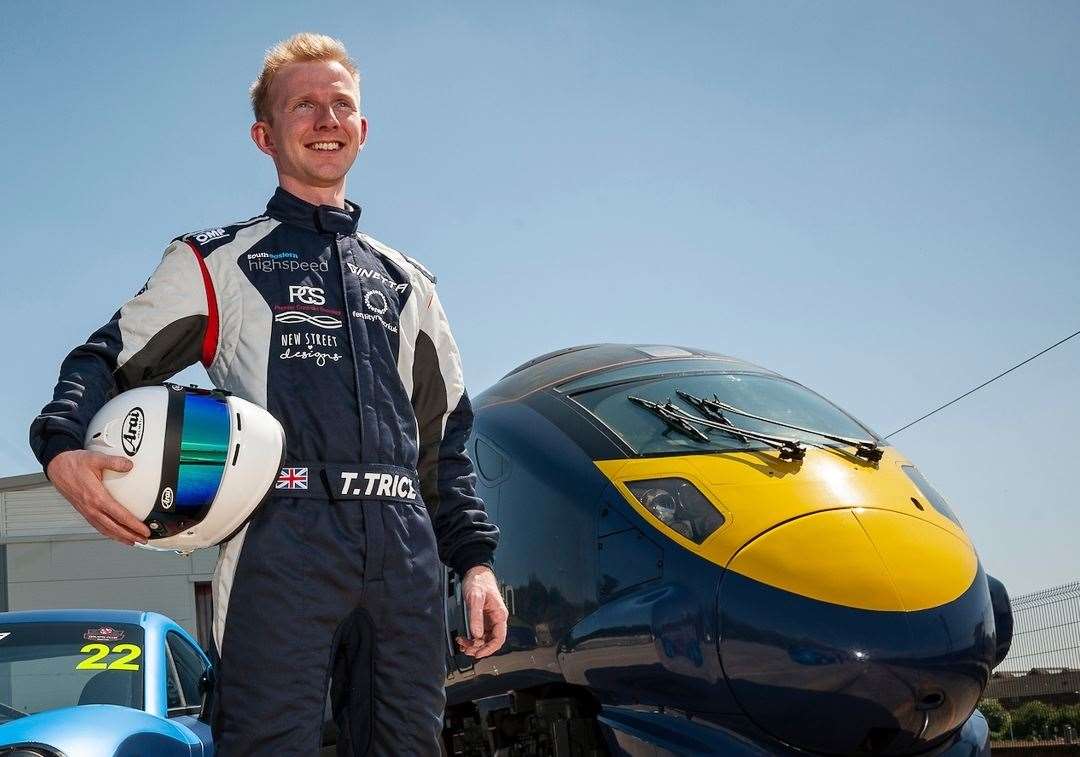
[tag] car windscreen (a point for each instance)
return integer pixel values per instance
(763, 395)
(49, 665)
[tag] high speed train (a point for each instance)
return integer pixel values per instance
(701, 556)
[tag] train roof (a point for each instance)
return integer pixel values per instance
(573, 363)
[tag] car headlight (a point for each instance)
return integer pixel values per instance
(679, 505)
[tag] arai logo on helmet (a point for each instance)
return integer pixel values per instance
(132, 433)
(167, 497)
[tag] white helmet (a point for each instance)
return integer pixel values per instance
(203, 461)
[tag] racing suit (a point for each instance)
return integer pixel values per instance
(337, 574)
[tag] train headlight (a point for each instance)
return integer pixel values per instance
(679, 505)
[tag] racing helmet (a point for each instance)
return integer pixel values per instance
(202, 459)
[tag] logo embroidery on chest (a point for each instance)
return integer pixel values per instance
(371, 273)
(376, 302)
(306, 306)
(319, 349)
(308, 295)
(268, 262)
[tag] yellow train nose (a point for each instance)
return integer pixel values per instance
(862, 558)
(856, 630)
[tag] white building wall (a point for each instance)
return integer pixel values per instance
(39, 511)
(96, 572)
(55, 560)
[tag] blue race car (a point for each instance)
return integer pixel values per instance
(94, 683)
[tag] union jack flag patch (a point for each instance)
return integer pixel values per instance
(292, 478)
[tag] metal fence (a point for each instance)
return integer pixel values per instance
(1044, 661)
(1046, 630)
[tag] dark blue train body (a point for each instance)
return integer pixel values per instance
(674, 593)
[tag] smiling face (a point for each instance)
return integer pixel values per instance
(314, 130)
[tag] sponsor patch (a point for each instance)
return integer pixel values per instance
(268, 262)
(319, 357)
(208, 235)
(103, 633)
(375, 301)
(377, 319)
(308, 339)
(308, 295)
(132, 435)
(272, 256)
(371, 273)
(376, 305)
(296, 316)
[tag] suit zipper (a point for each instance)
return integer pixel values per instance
(347, 317)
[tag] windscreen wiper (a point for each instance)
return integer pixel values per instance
(790, 449)
(681, 420)
(667, 416)
(715, 407)
(707, 409)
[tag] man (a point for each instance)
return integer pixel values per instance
(344, 341)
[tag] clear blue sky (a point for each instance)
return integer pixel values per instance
(878, 200)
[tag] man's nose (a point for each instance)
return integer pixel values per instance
(327, 119)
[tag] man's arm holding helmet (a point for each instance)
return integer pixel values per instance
(161, 330)
(466, 537)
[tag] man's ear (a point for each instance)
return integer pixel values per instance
(263, 139)
(363, 131)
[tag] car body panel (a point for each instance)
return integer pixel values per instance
(105, 729)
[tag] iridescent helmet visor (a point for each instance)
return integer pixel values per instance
(193, 461)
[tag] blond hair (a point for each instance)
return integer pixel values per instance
(299, 48)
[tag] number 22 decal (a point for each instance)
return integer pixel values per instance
(129, 653)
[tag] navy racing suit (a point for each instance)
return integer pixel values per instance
(336, 578)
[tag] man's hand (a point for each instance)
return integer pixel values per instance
(487, 613)
(76, 474)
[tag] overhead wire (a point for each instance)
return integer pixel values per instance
(985, 383)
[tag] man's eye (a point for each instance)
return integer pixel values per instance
(302, 104)
(344, 104)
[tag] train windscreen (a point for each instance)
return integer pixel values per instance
(766, 396)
